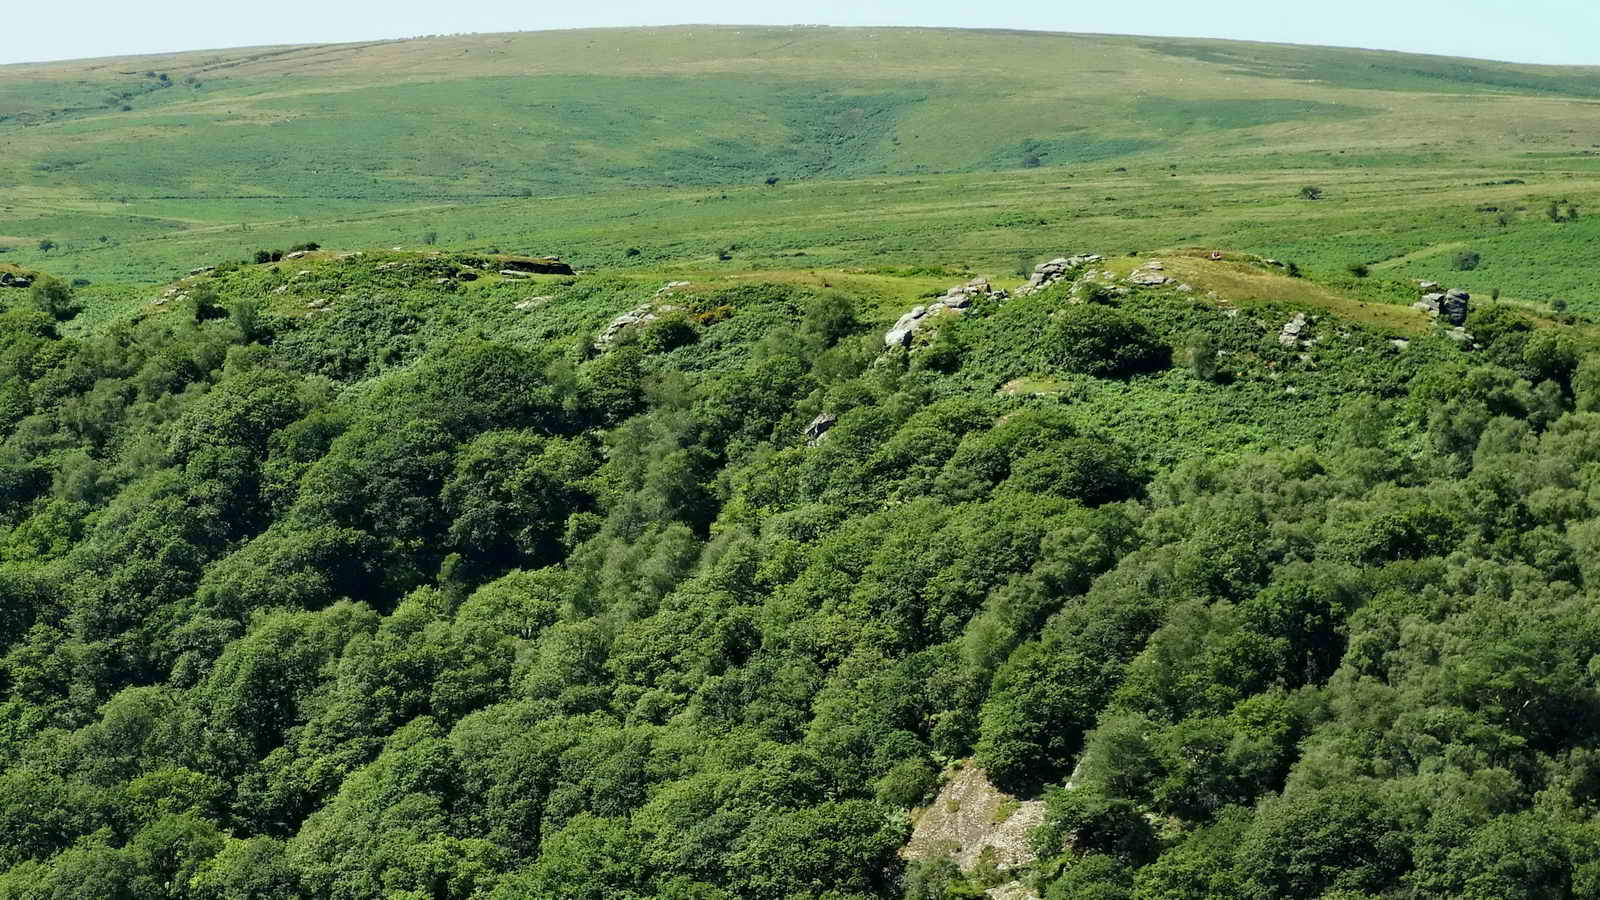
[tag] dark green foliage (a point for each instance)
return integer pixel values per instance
(1091, 339)
(53, 297)
(1466, 260)
(426, 597)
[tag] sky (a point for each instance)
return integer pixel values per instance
(1535, 31)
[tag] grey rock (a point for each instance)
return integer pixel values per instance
(1148, 279)
(818, 429)
(1293, 330)
(1454, 309)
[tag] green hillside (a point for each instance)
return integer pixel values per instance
(587, 143)
(957, 465)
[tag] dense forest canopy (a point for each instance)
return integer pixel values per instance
(420, 594)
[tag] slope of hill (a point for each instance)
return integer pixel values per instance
(132, 175)
(343, 572)
(369, 574)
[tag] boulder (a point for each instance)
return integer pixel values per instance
(1145, 278)
(639, 315)
(1454, 308)
(818, 429)
(1293, 330)
(513, 273)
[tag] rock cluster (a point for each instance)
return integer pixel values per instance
(1048, 273)
(957, 300)
(1447, 306)
(15, 281)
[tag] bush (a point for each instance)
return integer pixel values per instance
(1311, 192)
(668, 332)
(1089, 339)
(1200, 355)
(1466, 260)
(53, 297)
(1359, 270)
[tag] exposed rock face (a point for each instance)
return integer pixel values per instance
(818, 429)
(15, 281)
(1048, 273)
(970, 820)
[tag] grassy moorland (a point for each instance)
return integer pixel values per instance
(891, 147)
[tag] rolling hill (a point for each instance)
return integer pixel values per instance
(588, 143)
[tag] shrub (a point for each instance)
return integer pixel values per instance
(668, 332)
(1466, 260)
(1359, 270)
(1200, 355)
(1090, 339)
(1311, 192)
(53, 297)
(430, 238)
(46, 245)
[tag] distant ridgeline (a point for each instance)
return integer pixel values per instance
(381, 574)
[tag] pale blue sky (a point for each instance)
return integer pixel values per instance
(1546, 31)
